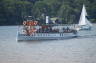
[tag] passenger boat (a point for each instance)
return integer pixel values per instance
(32, 30)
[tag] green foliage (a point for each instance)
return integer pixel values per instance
(12, 12)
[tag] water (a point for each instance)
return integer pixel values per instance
(73, 50)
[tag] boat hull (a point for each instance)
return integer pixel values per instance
(85, 28)
(45, 36)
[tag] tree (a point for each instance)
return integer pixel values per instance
(13, 11)
(39, 9)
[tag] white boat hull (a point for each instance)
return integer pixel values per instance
(85, 28)
(45, 36)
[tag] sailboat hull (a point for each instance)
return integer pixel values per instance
(85, 28)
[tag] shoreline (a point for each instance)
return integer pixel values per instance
(21, 25)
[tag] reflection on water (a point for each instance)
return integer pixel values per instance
(73, 50)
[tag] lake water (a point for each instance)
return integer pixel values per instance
(73, 50)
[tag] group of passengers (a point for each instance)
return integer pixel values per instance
(50, 30)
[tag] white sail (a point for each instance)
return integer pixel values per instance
(88, 22)
(83, 20)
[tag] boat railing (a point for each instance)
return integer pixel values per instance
(44, 35)
(63, 28)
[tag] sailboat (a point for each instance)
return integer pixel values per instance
(84, 23)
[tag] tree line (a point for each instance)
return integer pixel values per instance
(13, 12)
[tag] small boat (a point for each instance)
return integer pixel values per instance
(32, 30)
(84, 23)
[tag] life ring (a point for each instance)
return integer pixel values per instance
(24, 23)
(30, 23)
(35, 22)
